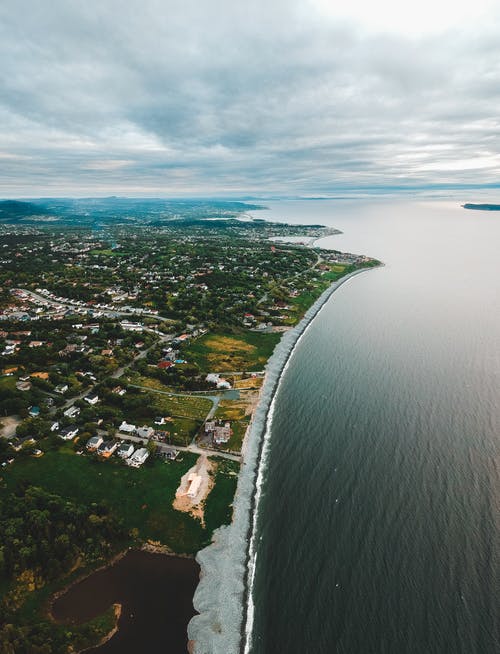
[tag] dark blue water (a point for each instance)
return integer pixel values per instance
(380, 518)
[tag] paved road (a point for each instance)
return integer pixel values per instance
(195, 449)
(108, 313)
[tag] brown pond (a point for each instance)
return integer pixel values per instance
(156, 594)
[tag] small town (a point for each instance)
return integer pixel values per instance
(131, 362)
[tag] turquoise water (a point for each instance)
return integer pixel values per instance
(379, 520)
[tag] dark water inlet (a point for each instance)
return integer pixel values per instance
(156, 593)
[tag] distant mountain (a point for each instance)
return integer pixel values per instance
(482, 207)
(14, 211)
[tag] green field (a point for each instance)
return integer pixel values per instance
(218, 506)
(235, 352)
(186, 406)
(239, 428)
(182, 430)
(141, 497)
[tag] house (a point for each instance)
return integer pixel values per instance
(118, 390)
(68, 433)
(54, 426)
(159, 420)
(19, 443)
(145, 432)
(107, 448)
(23, 385)
(212, 377)
(221, 434)
(125, 450)
(170, 453)
(40, 375)
(164, 365)
(126, 428)
(93, 443)
(131, 326)
(72, 411)
(223, 383)
(138, 457)
(194, 484)
(92, 398)
(61, 388)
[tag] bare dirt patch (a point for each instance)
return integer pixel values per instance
(10, 424)
(205, 469)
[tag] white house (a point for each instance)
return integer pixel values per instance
(69, 433)
(126, 428)
(138, 457)
(194, 484)
(145, 432)
(125, 450)
(93, 443)
(72, 411)
(61, 388)
(92, 398)
(106, 449)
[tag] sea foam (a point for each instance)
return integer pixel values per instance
(224, 596)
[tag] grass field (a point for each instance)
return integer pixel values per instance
(141, 497)
(218, 505)
(192, 406)
(236, 441)
(249, 382)
(133, 377)
(182, 430)
(239, 352)
(231, 410)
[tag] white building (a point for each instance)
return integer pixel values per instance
(126, 428)
(194, 484)
(138, 457)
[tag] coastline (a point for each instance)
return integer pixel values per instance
(223, 598)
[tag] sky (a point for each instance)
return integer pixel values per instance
(261, 97)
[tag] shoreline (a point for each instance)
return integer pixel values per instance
(214, 629)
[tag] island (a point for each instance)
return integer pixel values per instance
(134, 340)
(482, 207)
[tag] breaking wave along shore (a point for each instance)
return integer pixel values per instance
(223, 597)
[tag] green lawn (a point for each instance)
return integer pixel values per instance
(235, 442)
(187, 407)
(141, 497)
(218, 505)
(182, 430)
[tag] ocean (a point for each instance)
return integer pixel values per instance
(378, 526)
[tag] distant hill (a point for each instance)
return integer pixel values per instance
(482, 207)
(97, 213)
(14, 211)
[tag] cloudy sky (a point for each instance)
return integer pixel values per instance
(230, 97)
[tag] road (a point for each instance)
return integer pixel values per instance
(108, 313)
(194, 449)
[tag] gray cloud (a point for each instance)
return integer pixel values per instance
(163, 97)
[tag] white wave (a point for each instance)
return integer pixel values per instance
(224, 596)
